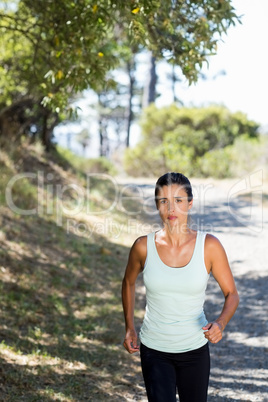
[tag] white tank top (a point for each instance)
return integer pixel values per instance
(174, 314)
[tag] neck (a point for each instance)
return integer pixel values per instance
(177, 233)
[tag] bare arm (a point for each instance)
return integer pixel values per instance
(135, 264)
(217, 260)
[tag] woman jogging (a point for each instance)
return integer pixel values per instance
(176, 262)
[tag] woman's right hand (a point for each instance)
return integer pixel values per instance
(130, 342)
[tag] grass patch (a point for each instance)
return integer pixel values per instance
(61, 325)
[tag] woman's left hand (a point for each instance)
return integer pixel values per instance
(213, 332)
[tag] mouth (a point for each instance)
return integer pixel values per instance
(172, 217)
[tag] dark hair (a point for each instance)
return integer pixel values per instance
(173, 178)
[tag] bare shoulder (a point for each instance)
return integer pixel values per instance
(212, 243)
(214, 250)
(137, 256)
(140, 241)
(140, 246)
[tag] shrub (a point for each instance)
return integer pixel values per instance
(93, 165)
(195, 141)
(247, 154)
(217, 163)
(100, 165)
(148, 162)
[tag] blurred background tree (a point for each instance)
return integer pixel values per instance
(52, 50)
(84, 139)
(196, 141)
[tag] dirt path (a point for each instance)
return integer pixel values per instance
(240, 361)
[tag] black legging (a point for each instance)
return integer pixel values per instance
(164, 372)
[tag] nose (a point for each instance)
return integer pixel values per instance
(171, 206)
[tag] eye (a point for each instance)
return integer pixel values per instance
(163, 201)
(178, 200)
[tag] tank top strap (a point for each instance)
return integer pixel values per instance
(200, 246)
(150, 247)
(150, 238)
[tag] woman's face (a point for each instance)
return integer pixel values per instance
(173, 204)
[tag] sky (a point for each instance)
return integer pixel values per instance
(243, 56)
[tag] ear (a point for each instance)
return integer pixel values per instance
(190, 204)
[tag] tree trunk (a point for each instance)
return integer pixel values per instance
(173, 83)
(13, 121)
(153, 80)
(104, 140)
(46, 133)
(150, 89)
(101, 139)
(131, 74)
